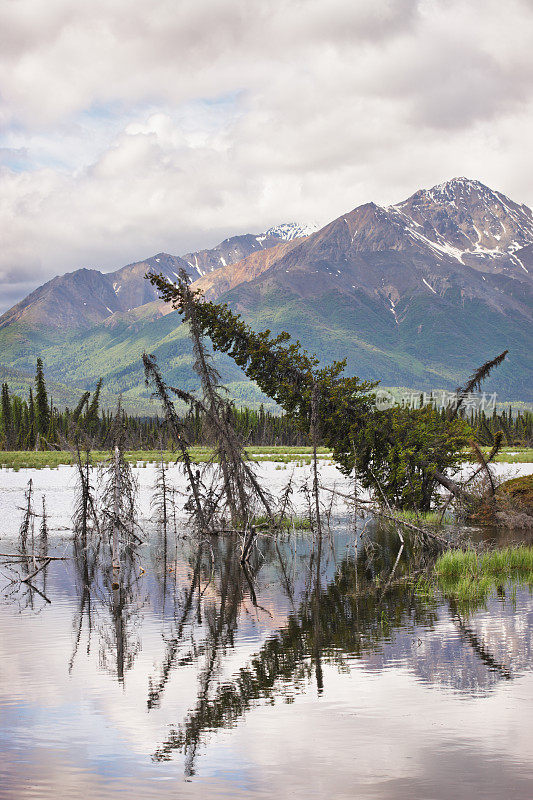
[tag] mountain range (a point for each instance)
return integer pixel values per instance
(416, 294)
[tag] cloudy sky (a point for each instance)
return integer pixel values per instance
(128, 127)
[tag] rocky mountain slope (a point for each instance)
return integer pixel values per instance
(458, 232)
(416, 294)
(85, 297)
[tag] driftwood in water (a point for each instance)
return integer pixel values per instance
(374, 508)
(37, 557)
(28, 578)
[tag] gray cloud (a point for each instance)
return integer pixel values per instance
(130, 128)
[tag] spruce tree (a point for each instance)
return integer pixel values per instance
(17, 411)
(31, 432)
(91, 419)
(42, 410)
(7, 420)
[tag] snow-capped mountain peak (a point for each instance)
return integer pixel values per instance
(287, 231)
(469, 221)
(462, 187)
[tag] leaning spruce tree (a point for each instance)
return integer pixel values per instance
(401, 454)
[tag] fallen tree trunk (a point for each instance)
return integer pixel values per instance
(33, 574)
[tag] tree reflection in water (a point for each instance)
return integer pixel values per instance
(109, 604)
(332, 624)
(319, 606)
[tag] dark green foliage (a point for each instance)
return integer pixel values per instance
(76, 414)
(7, 416)
(42, 410)
(255, 426)
(475, 380)
(91, 418)
(259, 427)
(517, 429)
(399, 449)
(31, 429)
(91, 426)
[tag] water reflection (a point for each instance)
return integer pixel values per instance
(107, 606)
(345, 620)
(211, 642)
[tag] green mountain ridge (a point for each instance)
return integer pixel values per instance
(417, 295)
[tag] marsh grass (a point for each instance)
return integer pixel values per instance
(422, 517)
(470, 577)
(290, 523)
(507, 455)
(423, 587)
(29, 459)
(41, 459)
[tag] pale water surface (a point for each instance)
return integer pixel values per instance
(193, 679)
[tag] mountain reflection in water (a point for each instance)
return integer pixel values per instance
(159, 674)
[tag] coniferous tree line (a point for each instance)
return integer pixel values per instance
(517, 428)
(35, 423)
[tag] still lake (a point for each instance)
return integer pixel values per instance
(194, 679)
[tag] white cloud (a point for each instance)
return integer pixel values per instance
(130, 128)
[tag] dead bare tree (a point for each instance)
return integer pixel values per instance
(314, 437)
(164, 508)
(213, 402)
(161, 502)
(177, 430)
(43, 531)
(119, 494)
(484, 466)
(234, 487)
(85, 517)
(27, 554)
(240, 484)
(28, 520)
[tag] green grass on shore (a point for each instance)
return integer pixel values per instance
(293, 523)
(421, 517)
(469, 577)
(507, 455)
(20, 459)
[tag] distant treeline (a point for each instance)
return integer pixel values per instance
(517, 427)
(35, 423)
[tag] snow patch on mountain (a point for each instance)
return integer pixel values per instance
(464, 218)
(287, 231)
